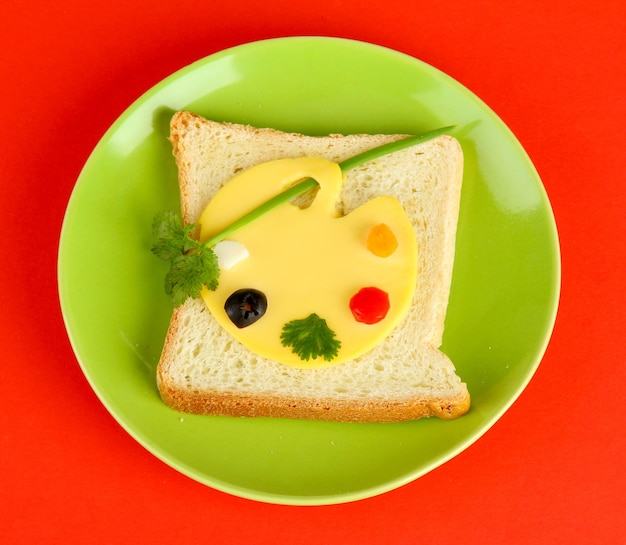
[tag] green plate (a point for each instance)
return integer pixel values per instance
(502, 305)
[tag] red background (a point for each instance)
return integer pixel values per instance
(550, 471)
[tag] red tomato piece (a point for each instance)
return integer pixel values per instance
(369, 305)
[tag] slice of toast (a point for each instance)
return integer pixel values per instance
(204, 370)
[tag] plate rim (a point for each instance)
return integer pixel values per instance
(363, 493)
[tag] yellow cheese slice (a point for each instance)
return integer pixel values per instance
(309, 260)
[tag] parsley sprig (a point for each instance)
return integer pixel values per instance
(310, 338)
(193, 264)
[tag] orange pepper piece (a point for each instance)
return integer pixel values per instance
(381, 241)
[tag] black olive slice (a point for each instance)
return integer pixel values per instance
(245, 306)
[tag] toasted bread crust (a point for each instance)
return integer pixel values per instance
(246, 405)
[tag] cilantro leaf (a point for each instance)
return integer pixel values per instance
(182, 280)
(310, 338)
(171, 238)
(192, 264)
(189, 272)
(208, 268)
